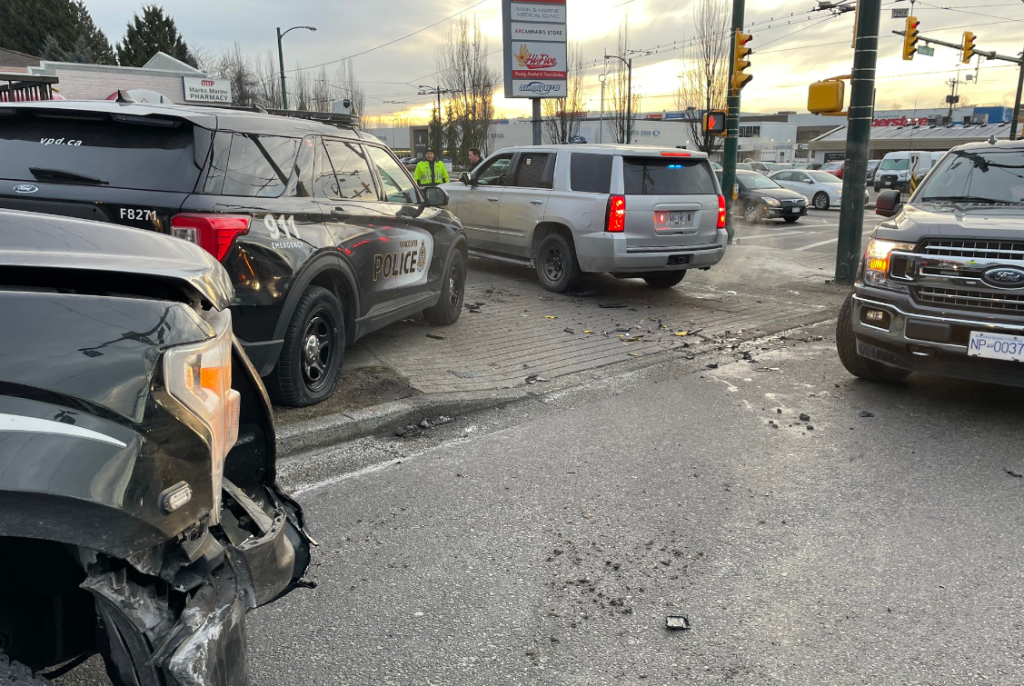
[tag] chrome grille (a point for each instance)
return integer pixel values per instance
(970, 300)
(984, 250)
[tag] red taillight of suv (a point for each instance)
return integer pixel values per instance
(721, 211)
(616, 214)
(214, 233)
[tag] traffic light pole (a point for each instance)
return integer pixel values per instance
(1016, 102)
(858, 138)
(732, 123)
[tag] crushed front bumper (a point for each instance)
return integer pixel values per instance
(933, 342)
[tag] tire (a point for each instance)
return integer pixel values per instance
(314, 347)
(17, 674)
(821, 201)
(861, 367)
(453, 291)
(751, 214)
(557, 266)
(791, 220)
(665, 279)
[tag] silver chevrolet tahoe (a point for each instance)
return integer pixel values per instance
(567, 210)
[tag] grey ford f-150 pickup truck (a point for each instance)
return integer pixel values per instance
(941, 285)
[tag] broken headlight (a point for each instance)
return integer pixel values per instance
(198, 376)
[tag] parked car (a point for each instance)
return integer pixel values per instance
(566, 210)
(822, 190)
(805, 165)
(834, 168)
(872, 168)
(139, 514)
(761, 167)
(895, 168)
(761, 198)
(745, 166)
(941, 285)
(323, 232)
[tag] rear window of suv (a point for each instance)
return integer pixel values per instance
(102, 152)
(667, 176)
(251, 165)
(589, 173)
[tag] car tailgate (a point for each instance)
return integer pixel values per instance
(670, 202)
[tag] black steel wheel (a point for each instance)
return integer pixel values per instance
(557, 266)
(453, 292)
(821, 201)
(862, 367)
(314, 346)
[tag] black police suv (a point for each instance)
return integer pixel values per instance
(322, 231)
(761, 198)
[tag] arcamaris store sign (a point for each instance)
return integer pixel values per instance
(534, 41)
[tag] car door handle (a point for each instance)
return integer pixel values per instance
(536, 202)
(494, 199)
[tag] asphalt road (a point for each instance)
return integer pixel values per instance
(548, 544)
(817, 232)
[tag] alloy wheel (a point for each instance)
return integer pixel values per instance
(318, 350)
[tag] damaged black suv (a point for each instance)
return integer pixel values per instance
(322, 231)
(941, 285)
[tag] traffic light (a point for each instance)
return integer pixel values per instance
(910, 38)
(740, 61)
(968, 53)
(714, 122)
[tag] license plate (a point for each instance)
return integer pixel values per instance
(796, 210)
(673, 220)
(887, 183)
(996, 346)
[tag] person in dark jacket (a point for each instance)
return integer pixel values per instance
(474, 159)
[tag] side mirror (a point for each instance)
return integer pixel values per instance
(466, 179)
(888, 203)
(435, 196)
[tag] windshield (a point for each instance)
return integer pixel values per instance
(753, 181)
(977, 175)
(823, 177)
(897, 164)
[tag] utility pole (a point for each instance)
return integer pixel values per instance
(537, 129)
(629, 93)
(600, 131)
(1016, 101)
(858, 138)
(438, 90)
(732, 122)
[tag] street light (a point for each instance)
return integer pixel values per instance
(629, 95)
(280, 57)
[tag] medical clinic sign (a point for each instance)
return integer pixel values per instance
(535, 48)
(212, 91)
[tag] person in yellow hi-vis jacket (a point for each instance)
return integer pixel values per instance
(430, 172)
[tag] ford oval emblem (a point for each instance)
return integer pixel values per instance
(25, 188)
(1004, 277)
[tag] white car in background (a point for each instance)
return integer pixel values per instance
(822, 190)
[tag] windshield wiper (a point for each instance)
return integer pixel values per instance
(970, 199)
(59, 175)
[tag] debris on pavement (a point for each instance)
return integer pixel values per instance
(535, 378)
(568, 330)
(804, 417)
(1015, 475)
(865, 414)
(463, 375)
(612, 306)
(436, 337)
(550, 316)
(677, 622)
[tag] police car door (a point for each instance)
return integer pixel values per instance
(344, 186)
(418, 243)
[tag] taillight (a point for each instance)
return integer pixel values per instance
(214, 233)
(616, 214)
(721, 211)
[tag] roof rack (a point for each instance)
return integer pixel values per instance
(344, 121)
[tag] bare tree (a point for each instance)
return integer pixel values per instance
(704, 83)
(618, 85)
(462, 69)
(350, 88)
(562, 116)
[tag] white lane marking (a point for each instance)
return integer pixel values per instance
(831, 240)
(18, 423)
(773, 235)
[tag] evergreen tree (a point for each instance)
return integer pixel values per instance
(145, 36)
(51, 50)
(80, 52)
(25, 26)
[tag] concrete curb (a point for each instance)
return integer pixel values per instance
(324, 432)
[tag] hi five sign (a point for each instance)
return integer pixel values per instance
(535, 48)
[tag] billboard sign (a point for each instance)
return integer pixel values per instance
(207, 90)
(534, 41)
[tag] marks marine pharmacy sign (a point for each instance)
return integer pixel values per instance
(212, 91)
(535, 48)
